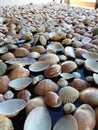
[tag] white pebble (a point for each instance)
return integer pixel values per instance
(62, 82)
(35, 80)
(34, 55)
(41, 77)
(8, 95)
(62, 57)
(89, 79)
(76, 75)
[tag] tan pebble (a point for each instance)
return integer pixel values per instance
(64, 122)
(53, 71)
(68, 94)
(4, 80)
(57, 46)
(38, 48)
(87, 46)
(13, 66)
(69, 108)
(19, 72)
(95, 42)
(68, 66)
(5, 123)
(89, 96)
(26, 45)
(50, 58)
(79, 52)
(56, 38)
(51, 51)
(27, 36)
(45, 86)
(7, 56)
(36, 38)
(66, 41)
(86, 118)
(1, 98)
(62, 82)
(52, 99)
(96, 112)
(79, 84)
(86, 107)
(33, 103)
(21, 52)
(24, 94)
(40, 28)
(77, 43)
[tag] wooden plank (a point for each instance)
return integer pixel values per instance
(82, 3)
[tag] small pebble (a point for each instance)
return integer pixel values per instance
(8, 95)
(62, 57)
(89, 79)
(79, 61)
(69, 108)
(62, 82)
(35, 80)
(41, 77)
(76, 75)
(34, 55)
